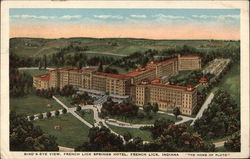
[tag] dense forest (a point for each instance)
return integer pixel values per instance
(167, 138)
(24, 136)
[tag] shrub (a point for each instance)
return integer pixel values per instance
(31, 117)
(78, 108)
(140, 115)
(57, 113)
(64, 111)
(40, 116)
(48, 114)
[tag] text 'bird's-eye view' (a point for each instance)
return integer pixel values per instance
(124, 80)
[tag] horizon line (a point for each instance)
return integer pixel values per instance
(116, 38)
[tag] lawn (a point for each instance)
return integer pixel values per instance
(143, 134)
(32, 104)
(145, 120)
(73, 133)
(231, 82)
(65, 100)
(120, 69)
(35, 72)
(88, 116)
(182, 74)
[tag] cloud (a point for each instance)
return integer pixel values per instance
(25, 16)
(138, 16)
(108, 16)
(219, 17)
(70, 17)
(168, 16)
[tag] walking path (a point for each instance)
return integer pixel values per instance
(99, 122)
(34, 68)
(72, 111)
(202, 109)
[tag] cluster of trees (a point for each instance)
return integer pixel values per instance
(233, 143)
(125, 109)
(47, 93)
(20, 82)
(221, 118)
(24, 136)
(148, 108)
(67, 91)
(213, 81)
(101, 139)
(192, 78)
(82, 98)
(167, 137)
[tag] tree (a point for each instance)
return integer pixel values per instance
(48, 114)
(39, 64)
(233, 143)
(127, 136)
(100, 67)
(64, 111)
(31, 117)
(24, 136)
(155, 108)
(45, 61)
(57, 113)
(147, 107)
(40, 116)
(78, 108)
(176, 112)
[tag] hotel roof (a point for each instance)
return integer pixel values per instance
(190, 56)
(69, 69)
(135, 73)
(163, 62)
(45, 77)
(112, 75)
(169, 86)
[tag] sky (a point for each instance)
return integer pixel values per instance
(125, 23)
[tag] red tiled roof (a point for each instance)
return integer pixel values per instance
(45, 77)
(156, 81)
(165, 101)
(90, 68)
(167, 61)
(190, 56)
(169, 86)
(134, 73)
(69, 69)
(112, 75)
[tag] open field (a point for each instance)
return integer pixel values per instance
(65, 100)
(32, 104)
(88, 116)
(231, 82)
(35, 72)
(182, 74)
(73, 133)
(145, 120)
(37, 47)
(143, 134)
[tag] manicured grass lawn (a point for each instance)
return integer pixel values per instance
(120, 69)
(231, 83)
(145, 120)
(220, 149)
(88, 116)
(73, 133)
(35, 72)
(32, 104)
(65, 100)
(143, 134)
(182, 74)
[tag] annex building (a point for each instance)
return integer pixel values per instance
(144, 85)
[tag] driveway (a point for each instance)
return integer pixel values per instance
(203, 108)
